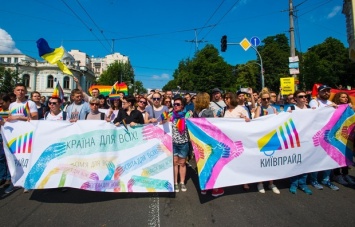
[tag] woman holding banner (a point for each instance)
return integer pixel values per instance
(299, 181)
(265, 109)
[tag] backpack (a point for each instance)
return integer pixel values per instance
(293, 107)
(102, 116)
(64, 115)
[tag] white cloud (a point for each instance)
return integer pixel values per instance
(334, 12)
(163, 76)
(7, 45)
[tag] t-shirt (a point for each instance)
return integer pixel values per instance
(316, 103)
(78, 112)
(57, 117)
(237, 112)
(94, 116)
(157, 113)
(218, 109)
(18, 108)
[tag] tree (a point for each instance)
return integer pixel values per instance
(8, 79)
(121, 72)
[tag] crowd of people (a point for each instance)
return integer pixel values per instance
(131, 110)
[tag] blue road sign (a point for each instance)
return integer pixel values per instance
(255, 41)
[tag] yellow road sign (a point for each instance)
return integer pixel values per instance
(245, 44)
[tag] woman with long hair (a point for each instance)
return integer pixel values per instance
(115, 106)
(141, 105)
(156, 109)
(41, 108)
(128, 114)
(168, 103)
(341, 175)
(265, 109)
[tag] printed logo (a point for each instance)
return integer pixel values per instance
(21, 144)
(284, 137)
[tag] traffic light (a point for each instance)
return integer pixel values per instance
(224, 43)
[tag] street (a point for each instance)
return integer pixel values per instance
(53, 207)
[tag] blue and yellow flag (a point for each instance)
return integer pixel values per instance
(53, 56)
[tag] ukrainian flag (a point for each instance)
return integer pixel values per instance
(52, 56)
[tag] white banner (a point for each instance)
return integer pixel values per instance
(89, 155)
(233, 152)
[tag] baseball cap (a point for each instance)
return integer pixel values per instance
(323, 87)
(214, 90)
(241, 92)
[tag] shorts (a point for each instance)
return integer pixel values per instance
(181, 149)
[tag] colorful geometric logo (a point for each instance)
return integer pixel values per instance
(284, 137)
(21, 144)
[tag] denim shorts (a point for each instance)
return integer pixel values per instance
(181, 149)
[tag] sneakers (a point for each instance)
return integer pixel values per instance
(330, 185)
(217, 192)
(340, 180)
(293, 189)
(203, 192)
(317, 185)
(261, 188)
(10, 189)
(306, 190)
(183, 187)
(349, 180)
(274, 189)
(176, 188)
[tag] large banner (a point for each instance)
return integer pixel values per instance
(233, 152)
(89, 155)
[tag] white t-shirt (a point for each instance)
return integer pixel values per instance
(18, 108)
(237, 112)
(316, 103)
(57, 117)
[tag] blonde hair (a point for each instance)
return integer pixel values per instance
(264, 91)
(202, 101)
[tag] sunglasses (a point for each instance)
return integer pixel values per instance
(94, 104)
(156, 99)
(52, 103)
(265, 99)
(177, 104)
(301, 96)
(143, 102)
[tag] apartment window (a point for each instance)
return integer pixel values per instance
(50, 81)
(15, 60)
(26, 80)
(66, 82)
(8, 60)
(1, 59)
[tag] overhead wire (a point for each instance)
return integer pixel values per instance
(208, 20)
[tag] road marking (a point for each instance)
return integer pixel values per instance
(153, 216)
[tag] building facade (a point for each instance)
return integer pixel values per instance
(99, 65)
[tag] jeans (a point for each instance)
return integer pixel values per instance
(326, 175)
(4, 170)
(299, 181)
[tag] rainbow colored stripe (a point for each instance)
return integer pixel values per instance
(21, 144)
(58, 92)
(25, 110)
(106, 90)
(285, 134)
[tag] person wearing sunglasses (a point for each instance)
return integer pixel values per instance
(299, 181)
(142, 103)
(265, 109)
(94, 113)
(55, 113)
(156, 109)
(115, 106)
(128, 114)
(167, 102)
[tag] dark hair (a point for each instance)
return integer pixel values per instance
(101, 97)
(35, 92)
(57, 98)
(112, 102)
(131, 99)
(297, 92)
(20, 85)
(336, 98)
(76, 91)
(233, 98)
(181, 99)
(5, 98)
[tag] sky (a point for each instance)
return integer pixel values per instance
(157, 34)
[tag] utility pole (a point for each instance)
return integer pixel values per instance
(292, 37)
(113, 46)
(196, 41)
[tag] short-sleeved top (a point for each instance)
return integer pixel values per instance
(79, 112)
(156, 114)
(18, 108)
(237, 112)
(317, 103)
(218, 107)
(57, 117)
(135, 116)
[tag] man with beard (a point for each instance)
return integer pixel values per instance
(217, 104)
(320, 102)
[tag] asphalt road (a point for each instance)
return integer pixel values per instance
(52, 207)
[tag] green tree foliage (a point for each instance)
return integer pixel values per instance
(275, 53)
(204, 72)
(121, 72)
(8, 79)
(327, 63)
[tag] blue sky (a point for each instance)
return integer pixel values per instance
(157, 34)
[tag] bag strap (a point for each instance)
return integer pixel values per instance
(102, 116)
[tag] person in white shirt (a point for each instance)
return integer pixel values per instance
(55, 113)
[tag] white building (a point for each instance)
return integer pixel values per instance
(99, 65)
(43, 77)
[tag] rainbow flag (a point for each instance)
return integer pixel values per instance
(52, 56)
(26, 110)
(104, 89)
(58, 92)
(333, 92)
(164, 116)
(119, 87)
